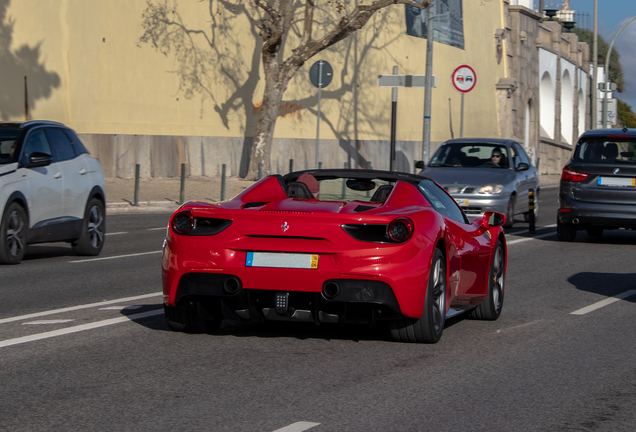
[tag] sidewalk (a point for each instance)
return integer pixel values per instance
(161, 195)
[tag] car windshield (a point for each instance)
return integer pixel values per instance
(8, 139)
(354, 189)
(606, 150)
(469, 155)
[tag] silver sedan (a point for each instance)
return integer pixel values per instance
(485, 174)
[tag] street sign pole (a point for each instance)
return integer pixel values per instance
(320, 75)
(318, 117)
(426, 139)
(461, 119)
(393, 123)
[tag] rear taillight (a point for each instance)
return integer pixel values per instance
(572, 176)
(183, 223)
(400, 229)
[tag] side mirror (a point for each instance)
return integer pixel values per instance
(493, 219)
(38, 159)
(522, 166)
(419, 164)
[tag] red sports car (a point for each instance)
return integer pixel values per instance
(334, 246)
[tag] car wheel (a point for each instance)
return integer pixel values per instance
(186, 318)
(91, 240)
(526, 216)
(565, 232)
(13, 228)
(595, 232)
(427, 329)
(490, 308)
(510, 214)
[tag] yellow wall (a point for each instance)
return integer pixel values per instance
(87, 68)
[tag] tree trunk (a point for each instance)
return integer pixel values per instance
(276, 79)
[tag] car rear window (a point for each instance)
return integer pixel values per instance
(606, 150)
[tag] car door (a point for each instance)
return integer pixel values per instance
(523, 178)
(43, 184)
(76, 184)
(468, 251)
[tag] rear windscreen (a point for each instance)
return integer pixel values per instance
(606, 150)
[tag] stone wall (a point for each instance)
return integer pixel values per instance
(162, 156)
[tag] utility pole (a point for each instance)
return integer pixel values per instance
(595, 68)
(426, 140)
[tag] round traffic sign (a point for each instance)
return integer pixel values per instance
(320, 76)
(464, 78)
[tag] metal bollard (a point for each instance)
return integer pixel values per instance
(531, 210)
(182, 189)
(344, 184)
(136, 199)
(291, 165)
(223, 182)
(260, 170)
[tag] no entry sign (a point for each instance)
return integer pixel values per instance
(464, 78)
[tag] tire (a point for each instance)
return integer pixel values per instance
(510, 214)
(565, 232)
(91, 240)
(13, 234)
(186, 318)
(526, 216)
(490, 308)
(595, 232)
(429, 328)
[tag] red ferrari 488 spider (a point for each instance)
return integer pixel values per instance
(334, 246)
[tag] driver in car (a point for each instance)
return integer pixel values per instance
(497, 157)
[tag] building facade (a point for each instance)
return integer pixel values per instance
(142, 93)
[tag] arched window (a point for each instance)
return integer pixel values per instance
(547, 103)
(567, 107)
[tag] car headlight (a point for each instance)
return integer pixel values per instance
(491, 189)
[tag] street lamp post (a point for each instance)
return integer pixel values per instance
(607, 60)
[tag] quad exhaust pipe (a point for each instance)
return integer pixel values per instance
(232, 285)
(575, 221)
(330, 290)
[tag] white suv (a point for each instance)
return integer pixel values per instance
(51, 190)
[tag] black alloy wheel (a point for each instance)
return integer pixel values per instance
(428, 328)
(565, 232)
(91, 241)
(490, 308)
(13, 228)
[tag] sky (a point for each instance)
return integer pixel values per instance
(612, 14)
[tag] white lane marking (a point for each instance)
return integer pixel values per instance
(79, 328)
(117, 233)
(527, 231)
(298, 427)
(155, 229)
(603, 303)
(49, 321)
(530, 238)
(121, 307)
(116, 256)
(74, 308)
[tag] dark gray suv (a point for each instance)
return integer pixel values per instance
(598, 184)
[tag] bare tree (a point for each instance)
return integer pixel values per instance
(280, 23)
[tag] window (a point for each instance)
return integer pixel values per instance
(519, 155)
(62, 145)
(441, 201)
(36, 143)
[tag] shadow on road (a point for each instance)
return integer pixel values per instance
(607, 284)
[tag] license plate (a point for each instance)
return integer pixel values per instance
(462, 202)
(281, 260)
(616, 181)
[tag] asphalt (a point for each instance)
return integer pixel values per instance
(163, 195)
